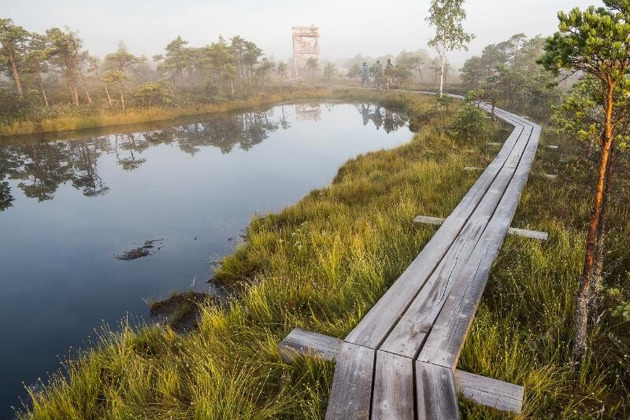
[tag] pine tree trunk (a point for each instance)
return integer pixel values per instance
(600, 253)
(72, 80)
(85, 88)
(584, 292)
(41, 87)
(74, 95)
(16, 75)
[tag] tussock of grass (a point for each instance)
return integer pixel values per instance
(320, 265)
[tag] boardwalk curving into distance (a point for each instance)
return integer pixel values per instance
(400, 361)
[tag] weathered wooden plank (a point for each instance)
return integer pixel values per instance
(472, 198)
(409, 333)
(352, 384)
(305, 343)
(488, 205)
(472, 168)
(376, 324)
(443, 345)
(436, 398)
(490, 392)
(429, 220)
(517, 153)
(393, 388)
(407, 336)
(534, 234)
(444, 342)
(485, 391)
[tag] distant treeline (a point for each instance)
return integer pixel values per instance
(51, 72)
(507, 75)
(50, 75)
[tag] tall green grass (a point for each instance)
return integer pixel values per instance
(320, 265)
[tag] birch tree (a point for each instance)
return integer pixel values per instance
(447, 17)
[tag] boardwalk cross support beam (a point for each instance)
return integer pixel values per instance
(534, 234)
(485, 391)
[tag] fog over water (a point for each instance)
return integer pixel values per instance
(369, 27)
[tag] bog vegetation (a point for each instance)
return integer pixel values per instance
(322, 263)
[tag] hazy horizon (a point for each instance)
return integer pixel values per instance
(369, 27)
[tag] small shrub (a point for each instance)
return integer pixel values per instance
(470, 123)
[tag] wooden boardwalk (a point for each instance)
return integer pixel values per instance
(400, 361)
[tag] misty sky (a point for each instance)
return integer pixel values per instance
(346, 27)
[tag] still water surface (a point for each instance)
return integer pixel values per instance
(67, 208)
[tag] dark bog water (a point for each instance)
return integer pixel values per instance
(68, 207)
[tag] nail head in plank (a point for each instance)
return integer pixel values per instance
(352, 384)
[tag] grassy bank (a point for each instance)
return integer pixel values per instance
(88, 118)
(321, 263)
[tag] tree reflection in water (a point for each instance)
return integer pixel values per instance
(40, 168)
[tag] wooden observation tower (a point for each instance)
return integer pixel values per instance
(305, 46)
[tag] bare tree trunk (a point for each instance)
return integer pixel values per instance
(122, 96)
(109, 98)
(72, 80)
(232, 87)
(16, 75)
(85, 88)
(74, 95)
(584, 292)
(41, 87)
(442, 74)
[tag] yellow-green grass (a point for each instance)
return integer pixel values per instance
(104, 118)
(321, 263)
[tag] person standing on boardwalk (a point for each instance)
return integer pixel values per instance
(378, 75)
(390, 71)
(365, 75)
